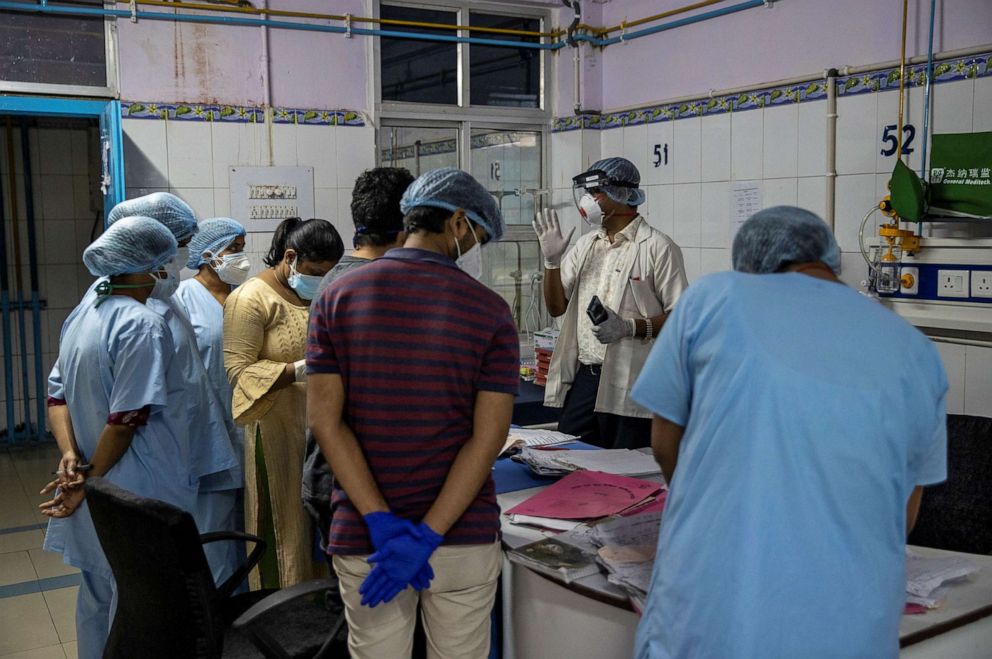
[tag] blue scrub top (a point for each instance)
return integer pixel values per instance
(119, 357)
(810, 413)
(216, 460)
(206, 317)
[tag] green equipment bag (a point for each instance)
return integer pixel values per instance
(961, 174)
(908, 194)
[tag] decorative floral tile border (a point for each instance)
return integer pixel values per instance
(238, 114)
(866, 83)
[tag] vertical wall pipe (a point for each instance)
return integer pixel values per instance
(926, 105)
(902, 77)
(19, 302)
(831, 173)
(8, 349)
(39, 377)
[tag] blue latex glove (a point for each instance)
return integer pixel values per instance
(384, 526)
(379, 587)
(403, 561)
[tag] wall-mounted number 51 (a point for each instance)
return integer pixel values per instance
(889, 137)
(660, 155)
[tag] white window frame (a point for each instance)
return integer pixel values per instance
(111, 90)
(464, 117)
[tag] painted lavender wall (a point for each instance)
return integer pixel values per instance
(183, 62)
(762, 45)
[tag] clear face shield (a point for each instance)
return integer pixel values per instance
(587, 183)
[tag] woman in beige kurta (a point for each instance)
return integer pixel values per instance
(265, 329)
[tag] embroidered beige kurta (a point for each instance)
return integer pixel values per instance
(262, 333)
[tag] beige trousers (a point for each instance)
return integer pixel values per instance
(456, 608)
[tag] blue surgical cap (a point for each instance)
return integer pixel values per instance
(779, 236)
(451, 189)
(170, 210)
(623, 171)
(132, 244)
(214, 236)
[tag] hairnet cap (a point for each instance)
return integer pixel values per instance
(778, 236)
(452, 189)
(132, 244)
(624, 171)
(214, 236)
(170, 210)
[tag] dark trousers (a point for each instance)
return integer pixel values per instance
(599, 428)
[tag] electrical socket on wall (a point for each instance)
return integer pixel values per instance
(952, 283)
(981, 283)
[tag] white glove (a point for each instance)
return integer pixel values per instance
(613, 328)
(553, 244)
(301, 370)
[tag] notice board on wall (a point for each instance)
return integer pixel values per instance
(262, 197)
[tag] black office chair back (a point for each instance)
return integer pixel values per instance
(164, 586)
(957, 514)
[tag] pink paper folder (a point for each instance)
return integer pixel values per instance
(587, 495)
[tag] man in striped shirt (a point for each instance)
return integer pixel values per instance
(413, 368)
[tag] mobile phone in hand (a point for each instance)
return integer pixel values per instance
(596, 311)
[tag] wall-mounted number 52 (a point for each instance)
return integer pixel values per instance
(890, 137)
(660, 155)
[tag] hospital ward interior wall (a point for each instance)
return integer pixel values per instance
(168, 66)
(192, 94)
(781, 149)
(68, 206)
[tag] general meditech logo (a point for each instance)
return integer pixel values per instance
(937, 175)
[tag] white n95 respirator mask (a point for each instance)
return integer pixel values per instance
(232, 269)
(590, 211)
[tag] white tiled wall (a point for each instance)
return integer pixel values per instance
(63, 163)
(784, 150)
(193, 160)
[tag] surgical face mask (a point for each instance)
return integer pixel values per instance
(590, 211)
(164, 288)
(305, 285)
(471, 261)
(231, 268)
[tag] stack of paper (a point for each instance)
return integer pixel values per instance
(519, 438)
(926, 577)
(612, 461)
(626, 548)
(581, 496)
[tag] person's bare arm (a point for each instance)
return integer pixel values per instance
(113, 443)
(641, 327)
(665, 439)
(554, 292)
(474, 462)
(913, 507)
(60, 425)
(337, 442)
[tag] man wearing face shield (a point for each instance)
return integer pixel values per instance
(412, 367)
(636, 273)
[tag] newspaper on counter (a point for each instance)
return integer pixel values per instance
(624, 462)
(926, 575)
(519, 438)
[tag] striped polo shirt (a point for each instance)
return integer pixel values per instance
(413, 338)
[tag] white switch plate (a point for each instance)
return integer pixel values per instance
(981, 283)
(952, 283)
